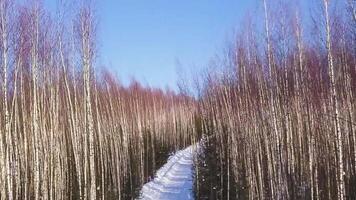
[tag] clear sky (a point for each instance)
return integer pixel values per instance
(146, 39)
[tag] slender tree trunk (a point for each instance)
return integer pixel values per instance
(335, 104)
(4, 12)
(35, 114)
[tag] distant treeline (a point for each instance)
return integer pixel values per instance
(280, 106)
(66, 130)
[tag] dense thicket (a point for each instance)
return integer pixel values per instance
(279, 111)
(281, 106)
(66, 131)
(210, 175)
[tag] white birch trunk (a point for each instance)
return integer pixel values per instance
(335, 104)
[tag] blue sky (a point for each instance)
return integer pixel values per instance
(146, 39)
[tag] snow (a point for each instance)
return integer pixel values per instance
(173, 181)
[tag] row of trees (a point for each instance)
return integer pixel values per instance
(66, 131)
(280, 107)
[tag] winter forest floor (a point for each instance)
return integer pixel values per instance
(175, 179)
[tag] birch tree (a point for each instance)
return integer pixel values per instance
(8, 151)
(87, 36)
(335, 103)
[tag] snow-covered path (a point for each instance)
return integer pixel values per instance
(173, 181)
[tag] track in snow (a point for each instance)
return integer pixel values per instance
(173, 181)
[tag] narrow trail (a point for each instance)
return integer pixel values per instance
(173, 181)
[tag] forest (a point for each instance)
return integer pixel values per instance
(275, 112)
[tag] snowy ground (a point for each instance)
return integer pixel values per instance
(173, 181)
